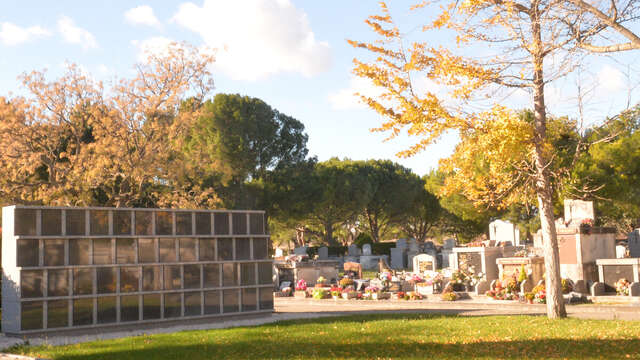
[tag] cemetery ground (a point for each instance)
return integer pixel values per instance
(375, 336)
(326, 329)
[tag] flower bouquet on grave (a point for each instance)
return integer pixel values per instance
(412, 295)
(345, 282)
(321, 282)
(301, 289)
(540, 294)
(399, 295)
(448, 294)
(622, 287)
(348, 293)
(372, 292)
(415, 279)
(586, 225)
(319, 293)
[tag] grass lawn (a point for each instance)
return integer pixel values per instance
(376, 336)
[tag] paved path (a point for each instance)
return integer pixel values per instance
(291, 308)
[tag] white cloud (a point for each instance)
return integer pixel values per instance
(11, 34)
(611, 78)
(141, 15)
(346, 99)
(75, 35)
(257, 38)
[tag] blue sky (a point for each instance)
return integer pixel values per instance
(292, 54)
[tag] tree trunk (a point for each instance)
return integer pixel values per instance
(555, 302)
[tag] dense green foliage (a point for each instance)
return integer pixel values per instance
(414, 336)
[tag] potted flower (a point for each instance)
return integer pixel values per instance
(301, 289)
(335, 292)
(622, 287)
(399, 295)
(319, 293)
(320, 282)
(348, 293)
(540, 294)
(372, 292)
(530, 296)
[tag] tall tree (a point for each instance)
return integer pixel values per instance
(516, 36)
(343, 191)
(394, 190)
(423, 215)
(238, 140)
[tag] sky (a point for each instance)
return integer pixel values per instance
(292, 54)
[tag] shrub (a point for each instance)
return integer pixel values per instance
(362, 239)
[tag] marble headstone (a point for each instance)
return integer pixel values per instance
(577, 210)
(354, 250)
(449, 243)
(300, 250)
(366, 249)
(323, 253)
(504, 232)
(634, 243)
(424, 262)
(397, 258)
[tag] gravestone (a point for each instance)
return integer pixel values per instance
(577, 210)
(634, 243)
(323, 253)
(366, 249)
(446, 255)
(428, 245)
(278, 252)
(354, 250)
(397, 258)
(621, 251)
(423, 262)
(413, 246)
(504, 231)
(401, 244)
(300, 250)
(449, 243)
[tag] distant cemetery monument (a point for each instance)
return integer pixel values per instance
(73, 268)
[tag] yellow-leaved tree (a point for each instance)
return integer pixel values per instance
(72, 141)
(498, 47)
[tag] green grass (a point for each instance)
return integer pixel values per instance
(376, 336)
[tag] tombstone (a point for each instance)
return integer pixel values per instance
(401, 244)
(424, 262)
(449, 243)
(577, 210)
(504, 232)
(621, 251)
(353, 268)
(428, 245)
(354, 250)
(366, 249)
(397, 258)
(446, 255)
(279, 252)
(413, 246)
(634, 243)
(300, 250)
(323, 253)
